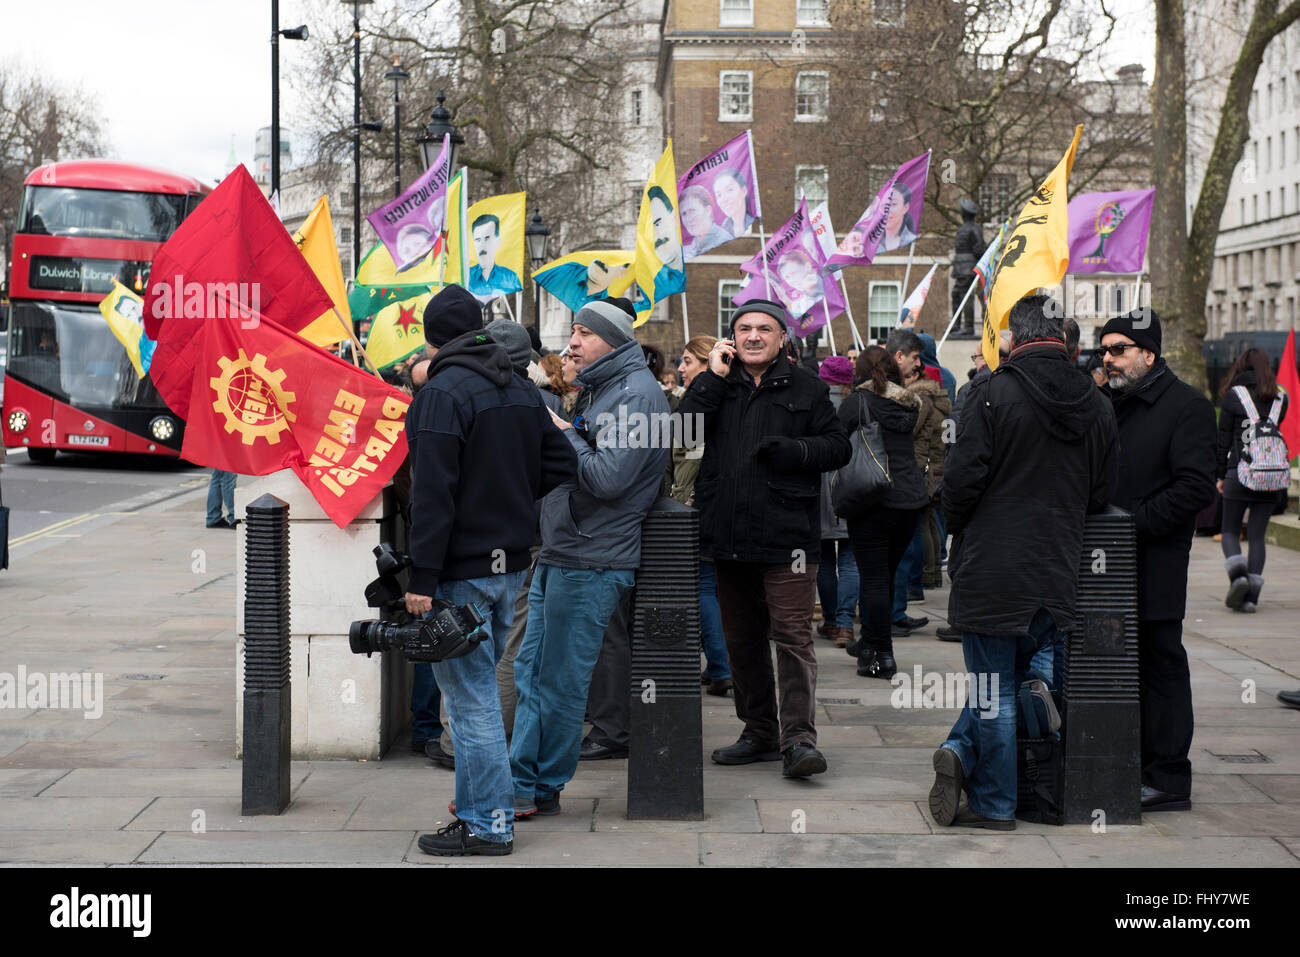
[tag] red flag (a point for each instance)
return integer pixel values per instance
(231, 260)
(1288, 379)
(264, 399)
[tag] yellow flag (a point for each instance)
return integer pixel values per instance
(123, 310)
(496, 246)
(659, 268)
(456, 268)
(315, 239)
(1034, 254)
(397, 332)
(377, 269)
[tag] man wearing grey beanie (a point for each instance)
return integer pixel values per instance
(591, 548)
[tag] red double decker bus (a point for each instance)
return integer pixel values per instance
(68, 382)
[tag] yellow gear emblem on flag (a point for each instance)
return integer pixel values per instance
(250, 398)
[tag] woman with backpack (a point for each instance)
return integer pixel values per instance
(1253, 469)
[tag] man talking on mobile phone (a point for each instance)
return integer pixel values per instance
(770, 431)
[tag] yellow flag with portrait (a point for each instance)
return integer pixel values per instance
(495, 251)
(659, 267)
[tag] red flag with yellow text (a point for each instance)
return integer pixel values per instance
(262, 400)
(232, 261)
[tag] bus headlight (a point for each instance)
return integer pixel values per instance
(18, 421)
(162, 428)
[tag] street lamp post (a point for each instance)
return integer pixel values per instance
(431, 139)
(296, 33)
(356, 131)
(535, 236)
(398, 76)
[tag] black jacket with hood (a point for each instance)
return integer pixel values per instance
(483, 451)
(1036, 452)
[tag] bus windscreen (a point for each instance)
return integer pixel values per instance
(100, 213)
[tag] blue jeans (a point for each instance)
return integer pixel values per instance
(568, 611)
(711, 635)
(484, 796)
(837, 582)
(984, 738)
(221, 488)
(426, 703)
(909, 570)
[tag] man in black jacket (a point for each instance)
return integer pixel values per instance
(1036, 451)
(770, 431)
(1166, 476)
(483, 450)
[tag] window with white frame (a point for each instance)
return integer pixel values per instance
(737, 13)
(813, 183)
(883, 302)
(735, 95)
(888, 13)
(726, 309)
(812, 92)
(636, 107)
(812, 13)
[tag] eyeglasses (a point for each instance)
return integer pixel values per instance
(1118, 349)
(976, 356)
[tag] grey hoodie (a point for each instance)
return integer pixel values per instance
(596, 522)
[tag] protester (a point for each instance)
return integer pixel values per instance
(1097, 371)
(221, 490)
(930, 359)
(906, 347)
(770, 432)
(933, 425)
(686, 468)
(882, 533)
(1253, 374)
(591, 548)
(1167, 469)
(837, 575)
(1037, 452)
(470, 541)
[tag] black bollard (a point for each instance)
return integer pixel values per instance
(665, 769)
(1101, 729)
(266, 657)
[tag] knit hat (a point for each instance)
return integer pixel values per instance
(766, 306)
(1140, 325)
(514, 339)
(607, 321)
(451, 313)
(836, 370)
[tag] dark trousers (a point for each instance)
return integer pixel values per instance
(880, 537)
(609, 703)
(761, 601)
(1166, 705)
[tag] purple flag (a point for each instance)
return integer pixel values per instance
(1108, 231)
(892, 221)
(410, 225)
(795, 260)
(718, 198)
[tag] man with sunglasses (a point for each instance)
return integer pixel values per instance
(1166, 475)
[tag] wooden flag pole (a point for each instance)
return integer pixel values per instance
(356, 343)
(953, 321)
(686, 329)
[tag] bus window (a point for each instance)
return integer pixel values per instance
(100, 213)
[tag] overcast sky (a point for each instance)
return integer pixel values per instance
(177, 80)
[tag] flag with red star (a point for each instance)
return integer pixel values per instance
(397, 332)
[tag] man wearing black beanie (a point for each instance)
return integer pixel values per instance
(1167, 437)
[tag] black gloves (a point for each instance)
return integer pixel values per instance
(782, 452)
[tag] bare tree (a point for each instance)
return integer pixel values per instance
(1182, 257)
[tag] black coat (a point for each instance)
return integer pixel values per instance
(751, 510)
(896, 411)
(1166, 475)
(1036, 452)
(1232, 419)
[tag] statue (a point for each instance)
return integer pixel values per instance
(967, 249)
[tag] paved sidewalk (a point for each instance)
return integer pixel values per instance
(148, 600)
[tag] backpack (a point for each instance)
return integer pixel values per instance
(1264, 464)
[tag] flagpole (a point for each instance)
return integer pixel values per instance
(848, 309)
(830, 331)
(356, 343)
(1137, 286)
(907, 276)
(953, 321)
(686, 330)
(758, 214)
(510, 312)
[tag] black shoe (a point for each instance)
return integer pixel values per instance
(595, 751)
(433, 751)
(911, 624)
(704, 678)
(915, 594)
(877, 664)
(854, 647)
(220, 523)
(547, 806)
(1291, 698)
(899, 631)
(419, 747)
(801, 761)
(1153, 800)
(719, 689)
(232, 522)
(948, 633)
(746, 751)
(456, 840)
(945, 794)
(968, 818)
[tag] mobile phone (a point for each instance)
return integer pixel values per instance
(726, 359)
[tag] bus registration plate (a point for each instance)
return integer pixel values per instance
(101, 440)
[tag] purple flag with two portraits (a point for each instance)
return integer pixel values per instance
(409, 226)
(1108, 231)
(892, 221)
(717, 198)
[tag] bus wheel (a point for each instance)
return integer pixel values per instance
(42, 456)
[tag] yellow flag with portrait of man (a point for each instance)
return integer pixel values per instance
(1035, 251)
(659, 267)
(495, 250)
